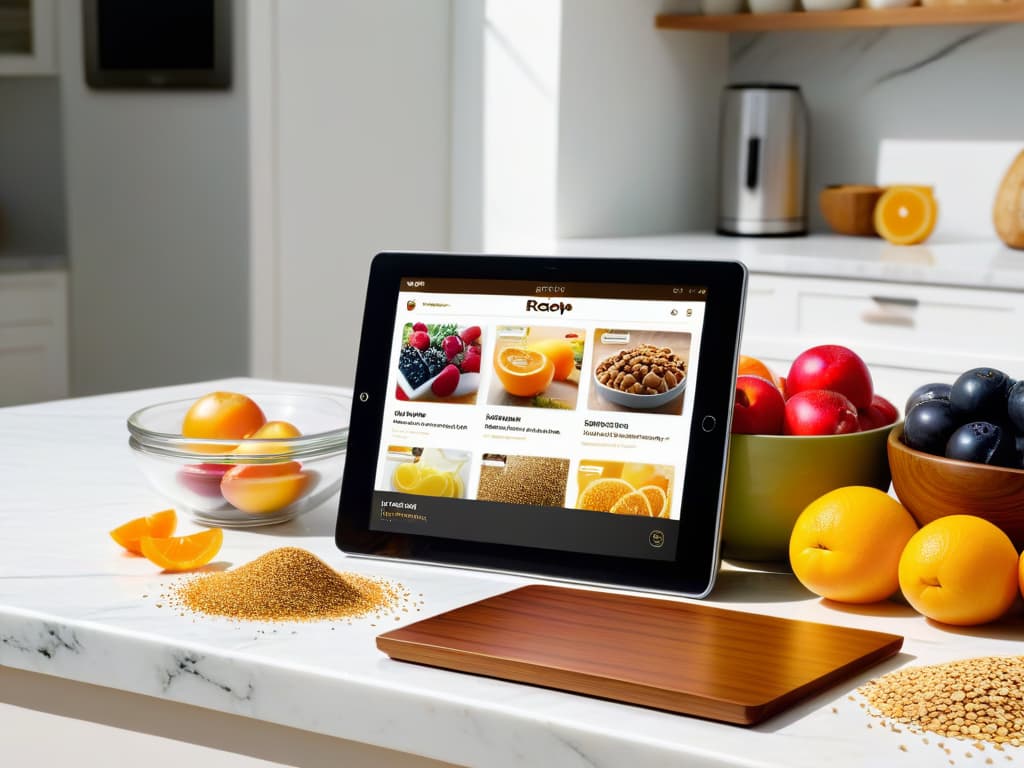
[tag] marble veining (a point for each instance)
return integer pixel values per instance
(48, 641)
(938, 55)
(188, 663)
(103, 626)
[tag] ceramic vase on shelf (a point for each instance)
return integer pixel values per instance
(1008, 212)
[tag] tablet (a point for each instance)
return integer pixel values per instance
(562, 417)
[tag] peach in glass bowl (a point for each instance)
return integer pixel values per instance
(239, 483)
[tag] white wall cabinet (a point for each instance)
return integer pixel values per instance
(33, 337)
(909, 334)
(28, 38)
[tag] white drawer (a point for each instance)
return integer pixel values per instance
(914, 316)
(29, 299)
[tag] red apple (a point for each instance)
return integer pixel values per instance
(833, 367)
(819, 412)
(880, 413)
(758, 408)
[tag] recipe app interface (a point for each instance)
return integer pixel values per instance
(543, 415)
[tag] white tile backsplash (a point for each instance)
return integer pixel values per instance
(921, 84)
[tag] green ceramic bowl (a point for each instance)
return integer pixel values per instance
(771, 479)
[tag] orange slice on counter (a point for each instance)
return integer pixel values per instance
(183, 553)
(158, 525)
(523, 372)
(906, 215)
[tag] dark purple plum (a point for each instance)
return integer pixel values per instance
(1015, 406)
(933, 391)
(983, 443)
(928, 426)
(980, 395)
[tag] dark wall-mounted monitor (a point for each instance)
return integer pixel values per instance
(157, 43)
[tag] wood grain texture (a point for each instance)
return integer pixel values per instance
(931, 487)
(854, 18)
(683, 657)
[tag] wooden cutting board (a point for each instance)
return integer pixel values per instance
(684, 657)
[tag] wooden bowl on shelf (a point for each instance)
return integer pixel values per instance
(849, 209)
(931, 487)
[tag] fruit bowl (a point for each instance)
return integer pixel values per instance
(931, 487)
(771, 478)
(247, 482)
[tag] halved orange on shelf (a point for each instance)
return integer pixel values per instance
(183, 553)
(906, 215)
(523, 372)
(159, 525)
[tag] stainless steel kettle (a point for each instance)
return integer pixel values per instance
(762, 160)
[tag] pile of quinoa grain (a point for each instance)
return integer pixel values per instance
(980, 699)
(288, 584)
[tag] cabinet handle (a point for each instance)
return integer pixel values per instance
(896, 301)
(891, 310)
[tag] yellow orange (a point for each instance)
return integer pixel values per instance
(159, 524)
(846, 544)
(272, 430)
(560, 353)
(523, 372)
(960, 570)
(600, 495)
(1020, 569)
(183, 553)
(906, 215)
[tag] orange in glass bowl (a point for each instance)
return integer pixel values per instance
(245, 482)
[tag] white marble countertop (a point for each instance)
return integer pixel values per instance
(959, 262)
(72, 605)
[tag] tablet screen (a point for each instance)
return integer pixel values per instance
(566, 406)
(566, 417)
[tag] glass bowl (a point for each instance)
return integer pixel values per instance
(247, 482)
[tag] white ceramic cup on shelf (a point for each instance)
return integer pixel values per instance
(875, 4)
(721, 7)
(772, 6)
(828, 5)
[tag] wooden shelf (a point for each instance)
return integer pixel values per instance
(855, 18)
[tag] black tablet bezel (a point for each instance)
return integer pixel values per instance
(695, 566)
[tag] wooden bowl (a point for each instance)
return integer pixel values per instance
(849, 209)
(931, 487)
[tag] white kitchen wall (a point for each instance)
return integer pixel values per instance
(31, 167)
(862, 87)
(360, 104)
(157, 226)
(637, 121)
